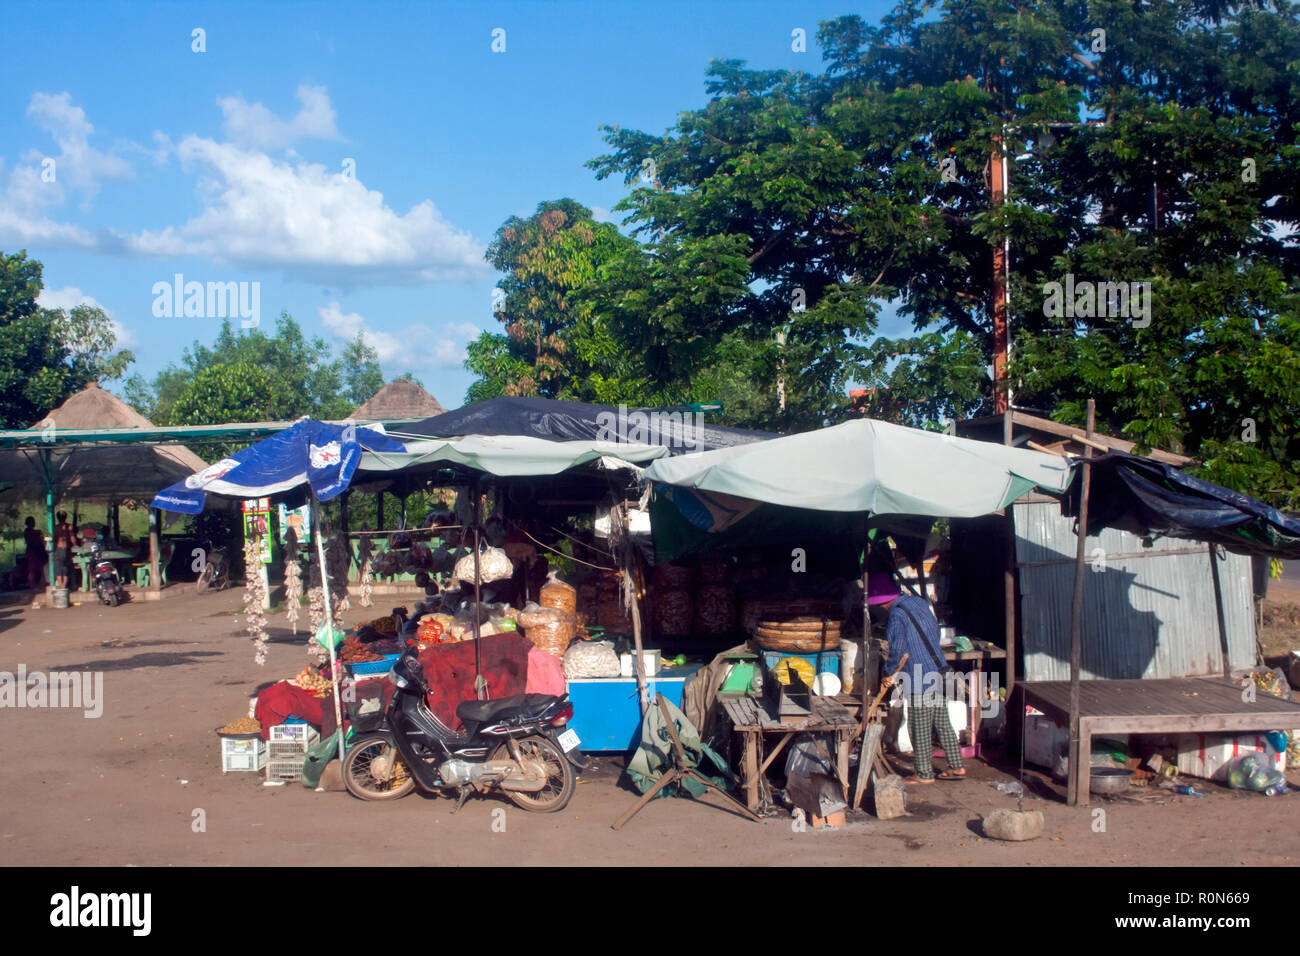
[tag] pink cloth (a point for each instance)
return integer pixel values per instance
(545, 674)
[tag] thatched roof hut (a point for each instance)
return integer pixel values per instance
(397, 400)
(113, 472)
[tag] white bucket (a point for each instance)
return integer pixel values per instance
(59, 597)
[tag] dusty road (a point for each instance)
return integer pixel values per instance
(126, 787)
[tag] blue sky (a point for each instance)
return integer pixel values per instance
(228, 165)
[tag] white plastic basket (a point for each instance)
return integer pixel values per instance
(243, 754)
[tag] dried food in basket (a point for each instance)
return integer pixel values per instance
(715, 609)
(534, 616)
(554, 637)
(672, 611)
(555, 593)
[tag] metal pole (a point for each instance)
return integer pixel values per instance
(329, 620)
(1076, 617)
(49, 515)
(480, 685)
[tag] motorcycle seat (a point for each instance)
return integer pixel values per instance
(507, 708)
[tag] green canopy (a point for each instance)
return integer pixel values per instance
(870, 466)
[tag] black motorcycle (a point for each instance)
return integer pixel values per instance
(104, 577)
(516, 745)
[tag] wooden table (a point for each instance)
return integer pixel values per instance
(82, 558)
(752, 721)
(1183, 705)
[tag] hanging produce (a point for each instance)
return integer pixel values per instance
(292, 579)
(254, 595)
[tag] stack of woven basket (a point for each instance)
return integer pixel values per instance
(553, 626)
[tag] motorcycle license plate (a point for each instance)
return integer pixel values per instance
(568, 740)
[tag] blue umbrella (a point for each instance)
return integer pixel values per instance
(320, 454)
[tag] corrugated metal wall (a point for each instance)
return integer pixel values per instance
(1148, 612)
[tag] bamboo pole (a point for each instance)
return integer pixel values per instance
(1076, 615)
(480, 685)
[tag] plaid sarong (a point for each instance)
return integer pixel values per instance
(922, 721)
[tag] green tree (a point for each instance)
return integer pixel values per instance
(303, 376)
(362, 376)
(47, 354)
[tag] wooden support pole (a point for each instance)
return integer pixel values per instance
(1076, 783)
(1218, 607)
(1008, 575)
(155, 576)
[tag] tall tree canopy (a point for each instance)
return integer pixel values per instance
(47, 354)
(1153, 144)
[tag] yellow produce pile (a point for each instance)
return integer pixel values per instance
(244, 725)
(308, 679)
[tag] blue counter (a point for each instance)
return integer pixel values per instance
(607, 714)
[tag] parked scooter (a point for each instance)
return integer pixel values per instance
(104, 577)
(517, 745)
(215, 574)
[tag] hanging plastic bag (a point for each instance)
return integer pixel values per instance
(327, 635)
(493, 565)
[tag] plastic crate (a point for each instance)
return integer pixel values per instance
(375, 668)
(303, 734)
(241, 754)
(285, 768)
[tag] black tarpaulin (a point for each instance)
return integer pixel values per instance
(679, 430)
(1148, 497)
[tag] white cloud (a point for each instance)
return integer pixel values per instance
(78, 164)
(42, 181)
(69, 297)
(252, 124)
(601, 214)
(258, 211)
(416, 347)
(253, 211)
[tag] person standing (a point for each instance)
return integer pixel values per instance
(65, 538)
(913, 630)
(35, 542)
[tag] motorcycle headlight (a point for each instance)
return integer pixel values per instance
(400, 681)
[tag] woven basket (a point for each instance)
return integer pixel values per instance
(553, 638)
(804, 634)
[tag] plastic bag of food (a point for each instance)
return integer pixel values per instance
(591, 659)
(535, 616)
(555, 593)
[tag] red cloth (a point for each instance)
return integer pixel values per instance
(449, 669)
(284, 700)
(545, 673)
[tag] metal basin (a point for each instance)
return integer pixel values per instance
(1109, 780)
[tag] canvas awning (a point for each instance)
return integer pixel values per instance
(504, 455)
(870, 466)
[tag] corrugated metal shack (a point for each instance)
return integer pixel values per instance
(1150, 609)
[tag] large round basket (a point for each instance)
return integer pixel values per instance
(801, 635)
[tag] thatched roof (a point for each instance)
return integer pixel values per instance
(113, 472)
(398, 399)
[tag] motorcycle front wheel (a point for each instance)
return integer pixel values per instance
(560, 780)
(361, 780)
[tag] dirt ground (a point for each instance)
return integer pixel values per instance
(127, 788)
